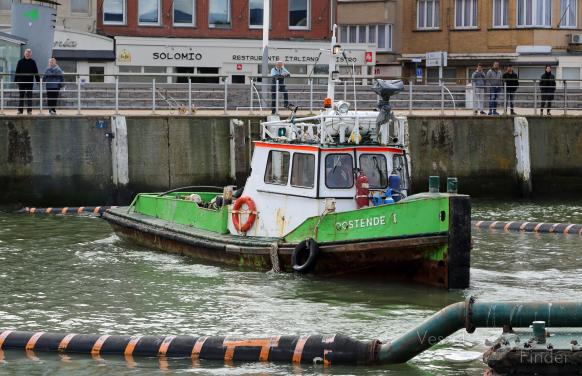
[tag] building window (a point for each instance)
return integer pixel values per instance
(184, 12)
(277, 171)
(5, 5)
(568, 12)
(378, 35)
(256, 13)
(465, 14)
(303, 170)
(114, 12)
(298, 14)
(80, 6)
(149, 12)
(219, 13)
(534, 13)
(500, 8)
(428, 14)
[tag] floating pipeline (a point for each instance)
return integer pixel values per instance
(330, 350)
(540, 227)
(67, 210)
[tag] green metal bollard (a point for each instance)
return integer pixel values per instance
(433, 184)
(452, 185)
(539, 331)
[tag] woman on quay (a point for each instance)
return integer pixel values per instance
(53, 78)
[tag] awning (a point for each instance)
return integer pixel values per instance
(83, 54)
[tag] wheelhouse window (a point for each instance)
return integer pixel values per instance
(428, 14)
(534, 13)
(375, 167)
(256, 12)
(303, 170)
(568, 12)
(465, 14)
(379, 35)
(339, 171)
(149, 12)
(298, 14)
(114, 12)
(500, 9)
(277, 171)
(399, 167)
(80, 6)
(184, 12)
(219, 13)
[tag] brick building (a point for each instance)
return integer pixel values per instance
(525, 33)
(220, 36)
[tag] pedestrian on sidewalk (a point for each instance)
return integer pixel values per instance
(479, 85)
(494, 83)
(53, 78)
(25, 75)
(547, 88)
(278, 74)
(511, 81)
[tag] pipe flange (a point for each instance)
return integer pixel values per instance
(469, 326)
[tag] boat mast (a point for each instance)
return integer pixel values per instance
(334, 50)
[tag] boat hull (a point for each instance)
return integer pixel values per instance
(402, 258)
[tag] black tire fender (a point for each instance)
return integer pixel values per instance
(310, 246)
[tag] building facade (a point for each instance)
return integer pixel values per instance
(375, 22)
(525, 33)
(221, 37)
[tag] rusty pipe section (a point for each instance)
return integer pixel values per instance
(291, 349)
(470, 315)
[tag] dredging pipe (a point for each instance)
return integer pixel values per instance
(522, 226)
(329, 350)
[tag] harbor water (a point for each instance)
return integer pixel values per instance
(72, 274)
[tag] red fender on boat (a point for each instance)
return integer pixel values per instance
(236, 211)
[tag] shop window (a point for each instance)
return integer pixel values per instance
(568, 12)
(188, 71)
(500, 9)
(465, 14)
(428, 14)
(5, 5)
(299, 14)
(277, 171)
(237, 79)
(339, 171)
(113, 12)
(375, 167)
(207, 80)
(126, 74)
(449, 75)
(96, 74)
(184, 12)
(69, 68)
(219, 13)
(572, 77)
(303, 171)
(534, 13)
(80, 6)
(149, 12)
(256, 12)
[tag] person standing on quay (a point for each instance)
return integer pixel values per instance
(25, 74)
(494, 82)
(511, 81)
(279, 73)
(547, 87)
(53, 78)
(479, 84)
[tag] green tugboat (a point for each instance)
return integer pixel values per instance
(327, 195)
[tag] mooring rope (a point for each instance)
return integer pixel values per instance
(274, 253)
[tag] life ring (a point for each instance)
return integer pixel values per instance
(310, 246)
(236, 212)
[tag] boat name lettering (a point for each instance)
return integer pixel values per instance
(361, 223)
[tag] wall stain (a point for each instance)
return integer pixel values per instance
(19, 148)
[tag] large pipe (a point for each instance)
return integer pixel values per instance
(336, 349)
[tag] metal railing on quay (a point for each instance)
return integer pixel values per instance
(183, 94)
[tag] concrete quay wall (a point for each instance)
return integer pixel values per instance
(78, 160)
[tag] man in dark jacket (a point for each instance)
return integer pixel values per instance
(511, 82)
(26, 73)
(547, 87)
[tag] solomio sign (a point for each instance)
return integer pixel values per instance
(188, 56)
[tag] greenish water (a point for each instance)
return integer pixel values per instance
(72, 274)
